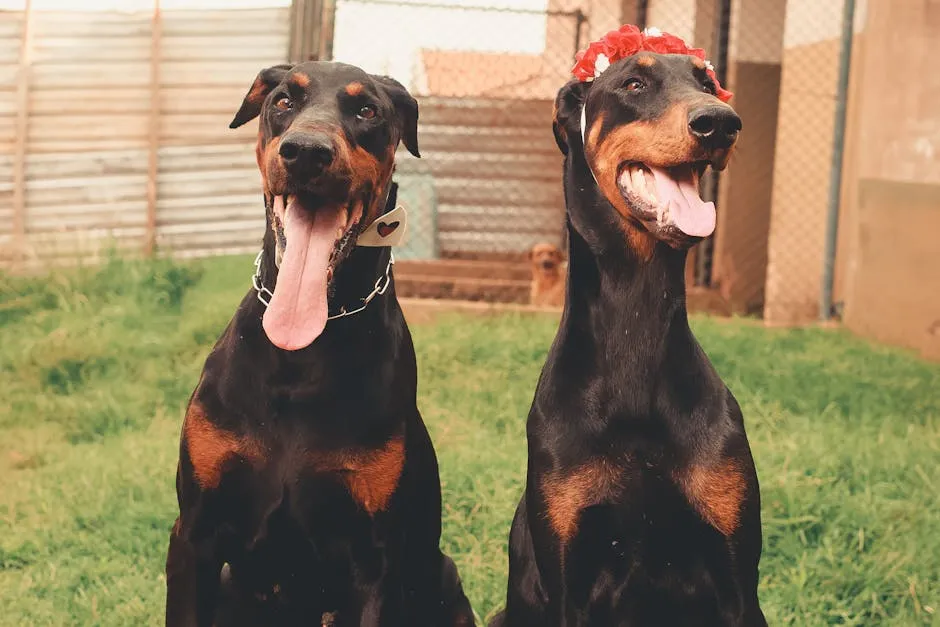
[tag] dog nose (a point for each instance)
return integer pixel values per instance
(715, 127)
(306, 154)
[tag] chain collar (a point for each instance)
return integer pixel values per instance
(381, 285)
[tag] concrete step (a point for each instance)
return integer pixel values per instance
(461, 288)
(462, 268)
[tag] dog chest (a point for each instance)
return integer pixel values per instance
(369, 475)
(713, 494)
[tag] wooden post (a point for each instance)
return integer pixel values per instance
(327, 26)
(20, 138)
(153, 136)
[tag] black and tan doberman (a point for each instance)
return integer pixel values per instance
(641, 505)
(308, 486)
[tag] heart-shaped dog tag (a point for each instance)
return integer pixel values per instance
(386, 230)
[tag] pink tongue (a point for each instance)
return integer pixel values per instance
(297, 313)
(677, 188)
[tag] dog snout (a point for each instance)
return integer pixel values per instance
(716, 128)
(306, 154)
(547, 264)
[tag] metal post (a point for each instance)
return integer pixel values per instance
(327, 30)
(838, 153)
(704, 253)
(21, 137)
(642, 13)
(580, 19)
(153, 129)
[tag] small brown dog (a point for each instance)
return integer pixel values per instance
(548, 276)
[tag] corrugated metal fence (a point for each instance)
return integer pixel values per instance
(114, 134)
(495, 169)
(113, 130)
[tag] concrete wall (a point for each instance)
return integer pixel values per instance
(888, 245)
(802, 159)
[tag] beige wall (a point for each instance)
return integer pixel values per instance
(888, 244)
(757, 31)
(754, 51)
(673, 16)
(693, 20)
(803, 158)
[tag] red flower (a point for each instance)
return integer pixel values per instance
(723, 94)
(583, 68)
(666, 44)
(617, 41)
(629, 40)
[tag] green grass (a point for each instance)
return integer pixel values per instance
(96, 367)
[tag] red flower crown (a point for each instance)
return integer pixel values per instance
(629, 40)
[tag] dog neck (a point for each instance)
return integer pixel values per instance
(625, 316)
(637, 302)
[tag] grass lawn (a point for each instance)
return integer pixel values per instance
(95, 368)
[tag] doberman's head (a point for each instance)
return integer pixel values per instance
(652, 124)
(326, 150)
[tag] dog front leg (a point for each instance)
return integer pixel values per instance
(550, 554)
(192, 580)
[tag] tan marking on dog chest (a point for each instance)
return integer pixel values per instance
(210, 447)
(716, 492)
(370, 476)
(568, 493)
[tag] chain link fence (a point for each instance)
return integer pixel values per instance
(485, 71)
(489, 186)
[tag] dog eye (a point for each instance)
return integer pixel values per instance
(709, 88)
(367, 112)
(634, 84)
(283, 104)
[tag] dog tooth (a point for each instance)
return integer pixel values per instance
(636, 176)
(649, 183)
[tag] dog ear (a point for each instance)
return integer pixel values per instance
(567, 114)
(406, 107)
(266, 80)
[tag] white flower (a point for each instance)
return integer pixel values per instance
(601, 64)
(652, 31)
(709, 66)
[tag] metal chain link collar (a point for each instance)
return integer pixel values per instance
(381, 285)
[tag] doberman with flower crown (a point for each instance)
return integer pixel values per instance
(308, 486)
(642, 506)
